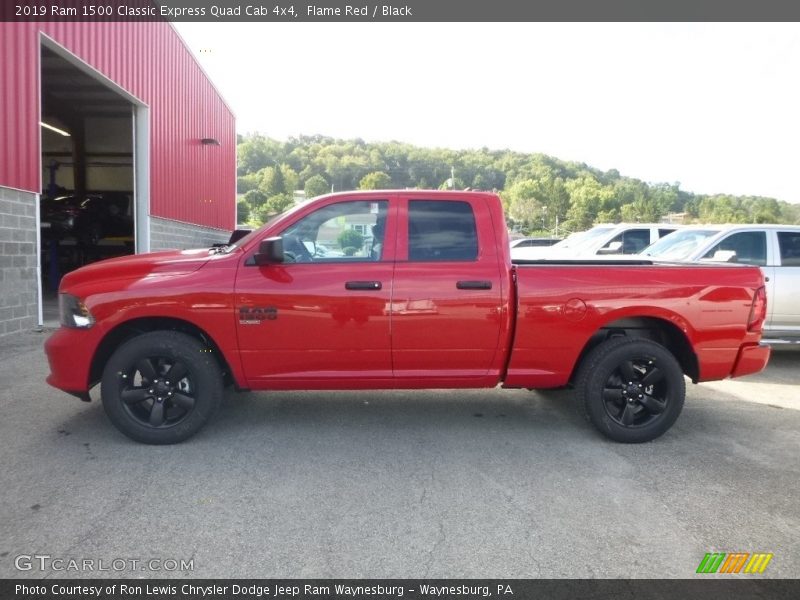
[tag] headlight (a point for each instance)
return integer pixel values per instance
(73, 312)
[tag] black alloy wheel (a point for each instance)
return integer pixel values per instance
(632, 389)
(161, 387)
(158, 391)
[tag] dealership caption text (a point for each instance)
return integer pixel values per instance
(219, 12)
(258, 591)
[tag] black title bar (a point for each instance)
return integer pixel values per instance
(288, 11)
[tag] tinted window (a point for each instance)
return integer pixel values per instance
(789, 243)
(747, 247)
(635, 240)
(441, 230)
(628, 242)
(663, 232)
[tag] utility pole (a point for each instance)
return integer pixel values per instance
(452, 178)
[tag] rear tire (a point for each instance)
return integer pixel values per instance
(161, 387)
(632, 389)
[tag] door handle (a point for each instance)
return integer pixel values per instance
(363, 285)
(474, 285)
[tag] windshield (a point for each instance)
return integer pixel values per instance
(585, 240)
(573, 239)
(679, 245)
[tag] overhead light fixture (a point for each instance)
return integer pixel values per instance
(209, 142)
(56, 129)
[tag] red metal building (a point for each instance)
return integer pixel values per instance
(182, 155)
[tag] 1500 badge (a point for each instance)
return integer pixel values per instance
(253, 315)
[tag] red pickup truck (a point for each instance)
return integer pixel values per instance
(397, 289)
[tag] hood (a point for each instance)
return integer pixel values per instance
(138, 266)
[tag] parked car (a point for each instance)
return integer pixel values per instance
(87, 218)
(532, 242)
(774, 248)
(441, 306)
(602, 240)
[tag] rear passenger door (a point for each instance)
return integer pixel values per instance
(785, 301)
(447, 298)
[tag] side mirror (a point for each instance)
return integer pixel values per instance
(612, 248)
(721, 256)
(270, 252)
(724, 256)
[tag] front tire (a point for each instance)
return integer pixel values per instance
(161, 387)
(632, 389)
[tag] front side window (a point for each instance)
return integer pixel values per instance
(789, 243)
(441, 231)
(747, 247)
(346, 231)
(628, 242)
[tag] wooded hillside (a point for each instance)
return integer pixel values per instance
(537, 190)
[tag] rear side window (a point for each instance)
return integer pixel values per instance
(747, 247)
(789, 243)
(663, 232)
(441, 230)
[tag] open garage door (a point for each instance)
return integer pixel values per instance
(89, 201)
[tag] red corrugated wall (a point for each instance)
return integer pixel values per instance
(188, 181)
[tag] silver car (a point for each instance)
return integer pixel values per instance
(774, 248)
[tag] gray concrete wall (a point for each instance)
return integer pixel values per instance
(18, 286)
(170, 235)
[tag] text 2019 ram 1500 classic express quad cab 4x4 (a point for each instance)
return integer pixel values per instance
(397, 289)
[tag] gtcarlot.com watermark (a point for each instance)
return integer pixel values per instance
(57, 564)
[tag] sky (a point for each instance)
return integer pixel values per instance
(714, 107)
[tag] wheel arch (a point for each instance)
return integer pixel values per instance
(655, 328)
(131, 328)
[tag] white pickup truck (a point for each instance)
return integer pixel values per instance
(774, 248)
(601, 240)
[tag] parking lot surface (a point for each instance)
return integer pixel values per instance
(486, 483)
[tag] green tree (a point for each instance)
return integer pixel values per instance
(377, 180)
(248, 182)
(272, 182)
(316, 186)
(242, 211)
(255, 199)
(279, 203)
(350, 238)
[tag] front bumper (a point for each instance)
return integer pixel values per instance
(751, 359)
(69, 354)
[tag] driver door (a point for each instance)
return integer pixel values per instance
(321, 318)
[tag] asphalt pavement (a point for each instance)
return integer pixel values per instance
(456, 484)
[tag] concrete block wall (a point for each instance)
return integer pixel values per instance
(174, 235)
(18, 274)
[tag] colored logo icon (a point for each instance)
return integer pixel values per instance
(734, 562)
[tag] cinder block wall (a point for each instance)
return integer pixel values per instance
(18, 289)
(172, 235)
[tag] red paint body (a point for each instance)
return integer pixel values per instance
(189, 182)
(418, 330)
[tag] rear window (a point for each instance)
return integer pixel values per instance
(789, 243)
(441, 230)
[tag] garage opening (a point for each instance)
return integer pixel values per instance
(88, 203)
